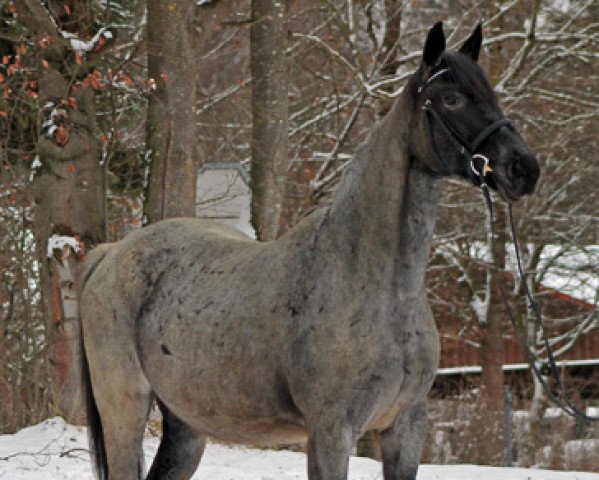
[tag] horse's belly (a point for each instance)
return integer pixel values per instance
(228, 413)
(232, 394)
(242, 410)
(256, 431)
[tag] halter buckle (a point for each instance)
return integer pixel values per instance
(486, 168)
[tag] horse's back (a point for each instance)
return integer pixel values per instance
(179, 231)
(128, 271)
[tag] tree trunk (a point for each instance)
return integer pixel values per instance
(491, 343)
(68, 190)
(173, 41)
(270, 78)
(393, 10)
(492, 354)
(532, 435)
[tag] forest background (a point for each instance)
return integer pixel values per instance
(109, 108)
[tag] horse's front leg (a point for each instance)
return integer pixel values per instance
(329, 446)
(401, 445)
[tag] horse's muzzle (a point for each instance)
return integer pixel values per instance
(517, 176)
(523, 173)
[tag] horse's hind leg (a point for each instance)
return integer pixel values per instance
(123, 404)
(401, 445)
(121, 392)
(180, 450)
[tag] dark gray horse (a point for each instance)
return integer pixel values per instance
(324, 334)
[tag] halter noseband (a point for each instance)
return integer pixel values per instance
(466, 148)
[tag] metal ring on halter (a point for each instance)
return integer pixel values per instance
(486, 166)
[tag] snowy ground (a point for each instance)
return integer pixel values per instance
(54, 450)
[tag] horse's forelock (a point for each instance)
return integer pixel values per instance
(468, 74)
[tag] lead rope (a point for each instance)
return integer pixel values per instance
(561, 400)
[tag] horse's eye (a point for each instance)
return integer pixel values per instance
(453, 100)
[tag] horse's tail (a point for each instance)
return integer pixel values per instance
(94, 423)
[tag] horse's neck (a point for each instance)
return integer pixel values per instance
(381, 221)
(417, 223)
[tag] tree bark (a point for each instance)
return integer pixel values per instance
(69, 195)
(491, 343)
(393, 10)
(492, 354)
(270, 79)
(173, 41)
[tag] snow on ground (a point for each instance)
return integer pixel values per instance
(54, 450)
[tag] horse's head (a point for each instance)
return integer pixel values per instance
(458, 124)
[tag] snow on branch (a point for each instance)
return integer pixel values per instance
(59, 242)
(34, 166)
(95, 44)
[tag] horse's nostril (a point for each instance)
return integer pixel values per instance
(521, 167)
(516, 169)
(523, 171)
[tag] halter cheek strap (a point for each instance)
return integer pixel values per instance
(466, 146)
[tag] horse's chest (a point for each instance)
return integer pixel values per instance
(407, 366)
(411, 383)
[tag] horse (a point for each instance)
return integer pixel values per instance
(319, 336)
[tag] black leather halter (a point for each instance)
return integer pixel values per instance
(466, 148)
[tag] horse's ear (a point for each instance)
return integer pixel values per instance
(473, 43)
(435, 45)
